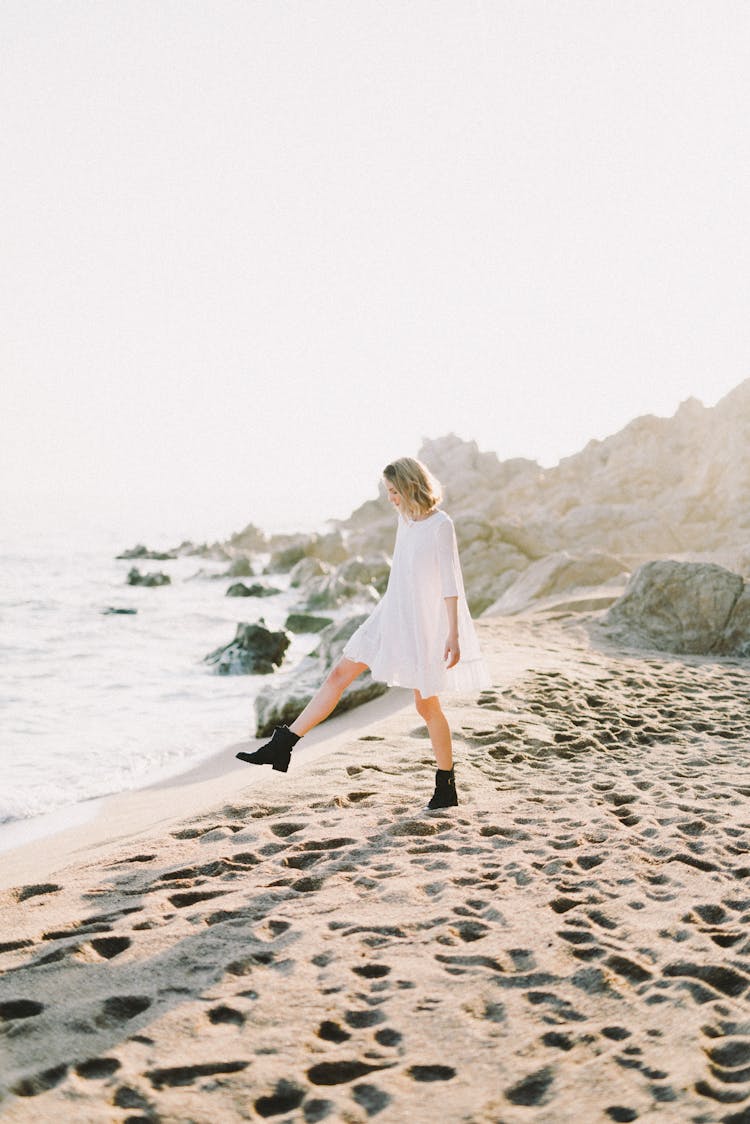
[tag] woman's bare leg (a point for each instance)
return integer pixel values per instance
(328, 694)
(437, 724)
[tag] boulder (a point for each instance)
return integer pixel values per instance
(255, 650)
(683, 607)
(546, 581)
(735, 638)
(135, 577)
(239, 589)
(281, 704)
(306, 622)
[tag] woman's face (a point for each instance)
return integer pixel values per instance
(391, 492)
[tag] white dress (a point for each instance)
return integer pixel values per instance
(403, 639)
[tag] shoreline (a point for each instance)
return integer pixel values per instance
(68, 832)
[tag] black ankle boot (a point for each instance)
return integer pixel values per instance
(444, 795)
(277, 752)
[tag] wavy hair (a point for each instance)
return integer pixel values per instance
(415, 484)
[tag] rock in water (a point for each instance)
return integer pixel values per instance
(275, 706)
(239, 589)
(683, 607)
(306, 622)
(255, 650)
(135, 577)
(141, 551)
(112, 610)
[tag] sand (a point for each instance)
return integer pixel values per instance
(569, 944)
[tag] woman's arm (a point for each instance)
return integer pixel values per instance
(452, 651)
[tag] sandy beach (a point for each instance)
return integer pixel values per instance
(569, 944)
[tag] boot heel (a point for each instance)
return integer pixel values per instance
(281, 764)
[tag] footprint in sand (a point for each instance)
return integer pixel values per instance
(13, 1009)
(40, 1082)
(109, 947)
(119, 1009)
(286, 1096)
(97, 1068)
(533, 1090)
(36, 890)
(188, 1074)
(342, 1072)
(728, 1058)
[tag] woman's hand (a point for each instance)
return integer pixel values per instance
(452, 651)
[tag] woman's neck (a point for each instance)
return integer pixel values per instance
(423, 516)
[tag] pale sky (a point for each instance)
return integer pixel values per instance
(252, 251)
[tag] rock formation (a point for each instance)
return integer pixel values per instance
(683, 607)
(255, 650)
(660, 486)
(135, 577)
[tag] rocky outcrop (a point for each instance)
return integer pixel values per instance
(657, 486)
(280, 704)
(250, 539)
(239, 589)
(683, 607)
(660, 486)
(255, 650)
(135, 577)
(563, 577)
(215, 551)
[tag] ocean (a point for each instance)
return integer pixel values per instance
(94, 703)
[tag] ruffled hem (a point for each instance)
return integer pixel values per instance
(469, 676)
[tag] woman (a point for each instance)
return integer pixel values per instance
(419, 635)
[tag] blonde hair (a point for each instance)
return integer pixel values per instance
(415, 484)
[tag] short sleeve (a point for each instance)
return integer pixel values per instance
(447, 558)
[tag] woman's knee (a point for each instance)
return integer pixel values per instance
(344, 672)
